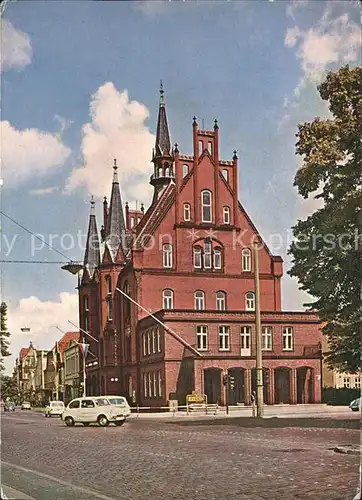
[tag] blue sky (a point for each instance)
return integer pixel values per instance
(80, 80)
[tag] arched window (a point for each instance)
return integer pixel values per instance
(167, 255)
(217, 258)
(109, 310)
(225, 174)
(226, 215)
(250, 301)
(201, 147)
(167, 296)
(199, 300)
(207, 255)
(246, 259)
(209, 147)
(221, 301)
(206, 206)
(108, 280)
(167, 170)
(187, 212)
(197, 258)
(185, 170)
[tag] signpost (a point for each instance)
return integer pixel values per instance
(194, 399)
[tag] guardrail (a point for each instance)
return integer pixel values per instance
(208, 409)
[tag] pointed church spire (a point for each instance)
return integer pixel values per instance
(115, 229)
(92, 253)
(163, 143)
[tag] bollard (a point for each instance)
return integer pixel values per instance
(138, 411)
(216, 407)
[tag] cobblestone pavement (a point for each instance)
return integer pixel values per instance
(162, 460)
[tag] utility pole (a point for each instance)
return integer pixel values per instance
(259, 359)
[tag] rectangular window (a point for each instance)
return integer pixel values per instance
(167, 255)
(224, 338)
(217, 258)
(267, 338)
(287, 338)
(153, 340)
(357, 383)
(144, 343)
(86, 322)
(346, 382)
(158, 339)
(145, 385)
(207, 255)
(148, 342)
(187, 212)
(209, 147)
(109, 310)
(154, 384)
(201, 338)
(245, 341)
(150, 386)
(159, 380)
(201, 147)
(197, 258)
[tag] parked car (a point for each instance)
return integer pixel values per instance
(9, 406)
(119, 402)
(355, 405)
(54, 408)
(90, 410)
(26, 405)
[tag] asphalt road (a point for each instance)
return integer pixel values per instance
(45, 460)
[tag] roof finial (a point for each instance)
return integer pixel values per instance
(92, 203)
(115, 177)
(235, 156)
(216, 125)
(161, 93)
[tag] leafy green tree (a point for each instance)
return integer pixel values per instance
(4, 335)
(9, 388)
(326, 251)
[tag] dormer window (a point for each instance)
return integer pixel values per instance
(185, 170)
(206, 206)
(226, 215)
(187, 212)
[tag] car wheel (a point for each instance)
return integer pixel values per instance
(69, 421)
(102, 421)
(119, 423)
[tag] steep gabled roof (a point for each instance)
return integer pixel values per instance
(92, 252)
(62, 344)
(116, 229)
(23, 352)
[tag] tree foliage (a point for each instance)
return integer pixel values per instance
(326, 251)
(4, 335)
(9, 388)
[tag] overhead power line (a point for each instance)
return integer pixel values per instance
(32, 262)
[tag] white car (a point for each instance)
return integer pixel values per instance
(26, 406)
(91, 410)
(54, 408)
(355, 405)
(119, 402)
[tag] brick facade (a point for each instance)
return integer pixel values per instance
(188, 259)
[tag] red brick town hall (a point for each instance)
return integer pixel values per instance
(188, 260)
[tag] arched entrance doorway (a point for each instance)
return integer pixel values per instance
(212, 384)
(282, 385)
(305, 393)
(236, 386)
(266, 383)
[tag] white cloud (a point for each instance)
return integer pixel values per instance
(151, 8)
(29, 152)
(42, 317)
(64, 124)
(42, 191)
(294, 5)
(332, 41)
(117, 130)
(16, 51)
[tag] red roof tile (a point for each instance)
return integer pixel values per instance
(64, 341)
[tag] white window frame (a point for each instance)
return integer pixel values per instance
(245, 340)
(199, 297)
(197, 251)
(187, 212)
(288, 338)
(167, 255)
(250, 301)
(224, 338)
(148, 342)
(145, 385)
(149, 385)
(202, 338)
(267, 338)
(158, 339)
(167, 300)
(201, 147)
(206, 206)
(226, 215)
(225, 174)
(209, 147)
(217, 258)
(144, 343)
(220, 301)
(154, 384)
(159, 384)
(185, 170)
(153, 341)
(246, 260)
(347, 382)
(208, 255)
